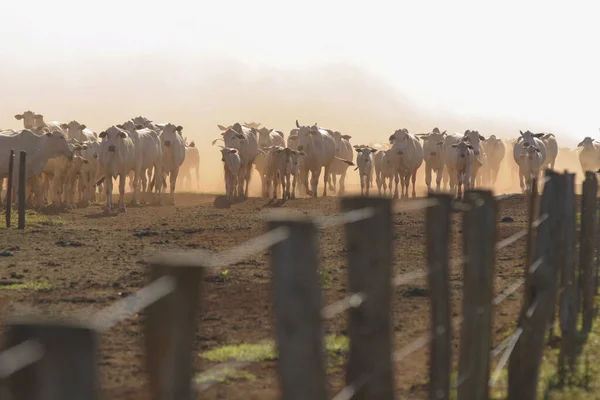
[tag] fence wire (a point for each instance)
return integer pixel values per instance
(19, 356)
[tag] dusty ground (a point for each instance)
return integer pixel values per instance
(109, 265)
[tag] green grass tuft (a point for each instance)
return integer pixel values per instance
(33, 219)
(41, 286)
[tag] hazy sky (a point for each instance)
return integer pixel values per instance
(531, 61)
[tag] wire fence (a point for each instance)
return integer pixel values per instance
(172, 299)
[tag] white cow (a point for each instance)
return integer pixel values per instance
(408, 157)
(433, 155)
(527, 139)
(28, 118)
(39, 149)
(245, 141)
(531, 162)
(343, 150)
(495, 150)
(61, 174)
(269, 137)
(383, 161)
(364, 162)
(53, 126)
(551, 149)
(449, 158)
(464, 154)
(319, 149)
(80, 132)
(232, 164)
(192, 161)
(285, 170)
(148, 156)
(117, 157)
(173, 155)
(589, 157)
(479, 157)
(90, 150)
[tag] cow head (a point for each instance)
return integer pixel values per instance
(39, 120)
(171, 134)
(400, 140)
(587, 143)
(111, 137)
(463, 149)
(56, 144)
(28, 118)
(74, 129)
(475, 139)
(305, 134)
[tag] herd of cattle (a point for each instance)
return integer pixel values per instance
(68, 159)
(63, 160)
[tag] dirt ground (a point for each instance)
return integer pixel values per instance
(77, 262)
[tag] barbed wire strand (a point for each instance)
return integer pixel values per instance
(134, 303)
(19, 356)
(504, 359)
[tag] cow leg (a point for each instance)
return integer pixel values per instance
(438, 178)
(325, 179)
(342, 190)
(173, 181)
(521, 177)
(332, 182)
(428, 176)
(108, 186)
(248, 174)
(396, 180)
(135, 183)
(459, 186)
(122, 178)
(414, 180)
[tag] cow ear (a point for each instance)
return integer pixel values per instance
(122, 135)
(192, 144)
(240, 136)
(347, 137)
(293, 138)
(470, 147)
(83, 126)
(302, 153)
(358, 149)
(481, 137)
(440, 143)
(102, 134)
(538, 135)
(138, 127)
(19, 117)
(455, 145)
(49, 134)
(233, 151)
(179, 128)
(64, 126)
(221, 127)
(580, 144)
(373, 150)
(521, 132)
(392, 138)
(120, 126)
(85, 161)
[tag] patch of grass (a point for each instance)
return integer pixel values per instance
(41, 286)
(335, 345)
(32, 219)
(225, 375)
(326, 278)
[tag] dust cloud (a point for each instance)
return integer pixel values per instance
(199, 93)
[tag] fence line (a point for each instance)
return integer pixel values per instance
(172, 302)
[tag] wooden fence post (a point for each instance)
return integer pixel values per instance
(171, 328)
(569, 288)
(9, 185)
(297, 305)
(586, 248)
(22, 187)
(438, 237)
(68, 367)
(538, 303)
(370, 242)
(479, 238)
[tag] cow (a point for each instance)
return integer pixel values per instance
(364, 162)
(39, 149)
(449, 159)
(148, 156)
(263, 166)
(527, 139)
(465, 153)
(433, 155)
(479, 159)
(42, 127)
(90, 150)
(192, 161)
(117, 157)
(285, 168)
(495, 150)
(318, 147)
(343, 150)
(269, 137)
(408, 157)
(245, 140)
(80, 132)
(232, 164)
(28, 118)
(173, 155)
(383, 161)
(551, 149)
(589, 157)
(530, 163)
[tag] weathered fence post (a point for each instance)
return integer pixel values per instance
(171, 327)
(369, 242)
(438, 237)
(68, 367)
(531, 217)
(22, 187)
(569, 288)
(479, 238)
(586, 248)
(9, 185)
(297, 303)
(538, 301)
